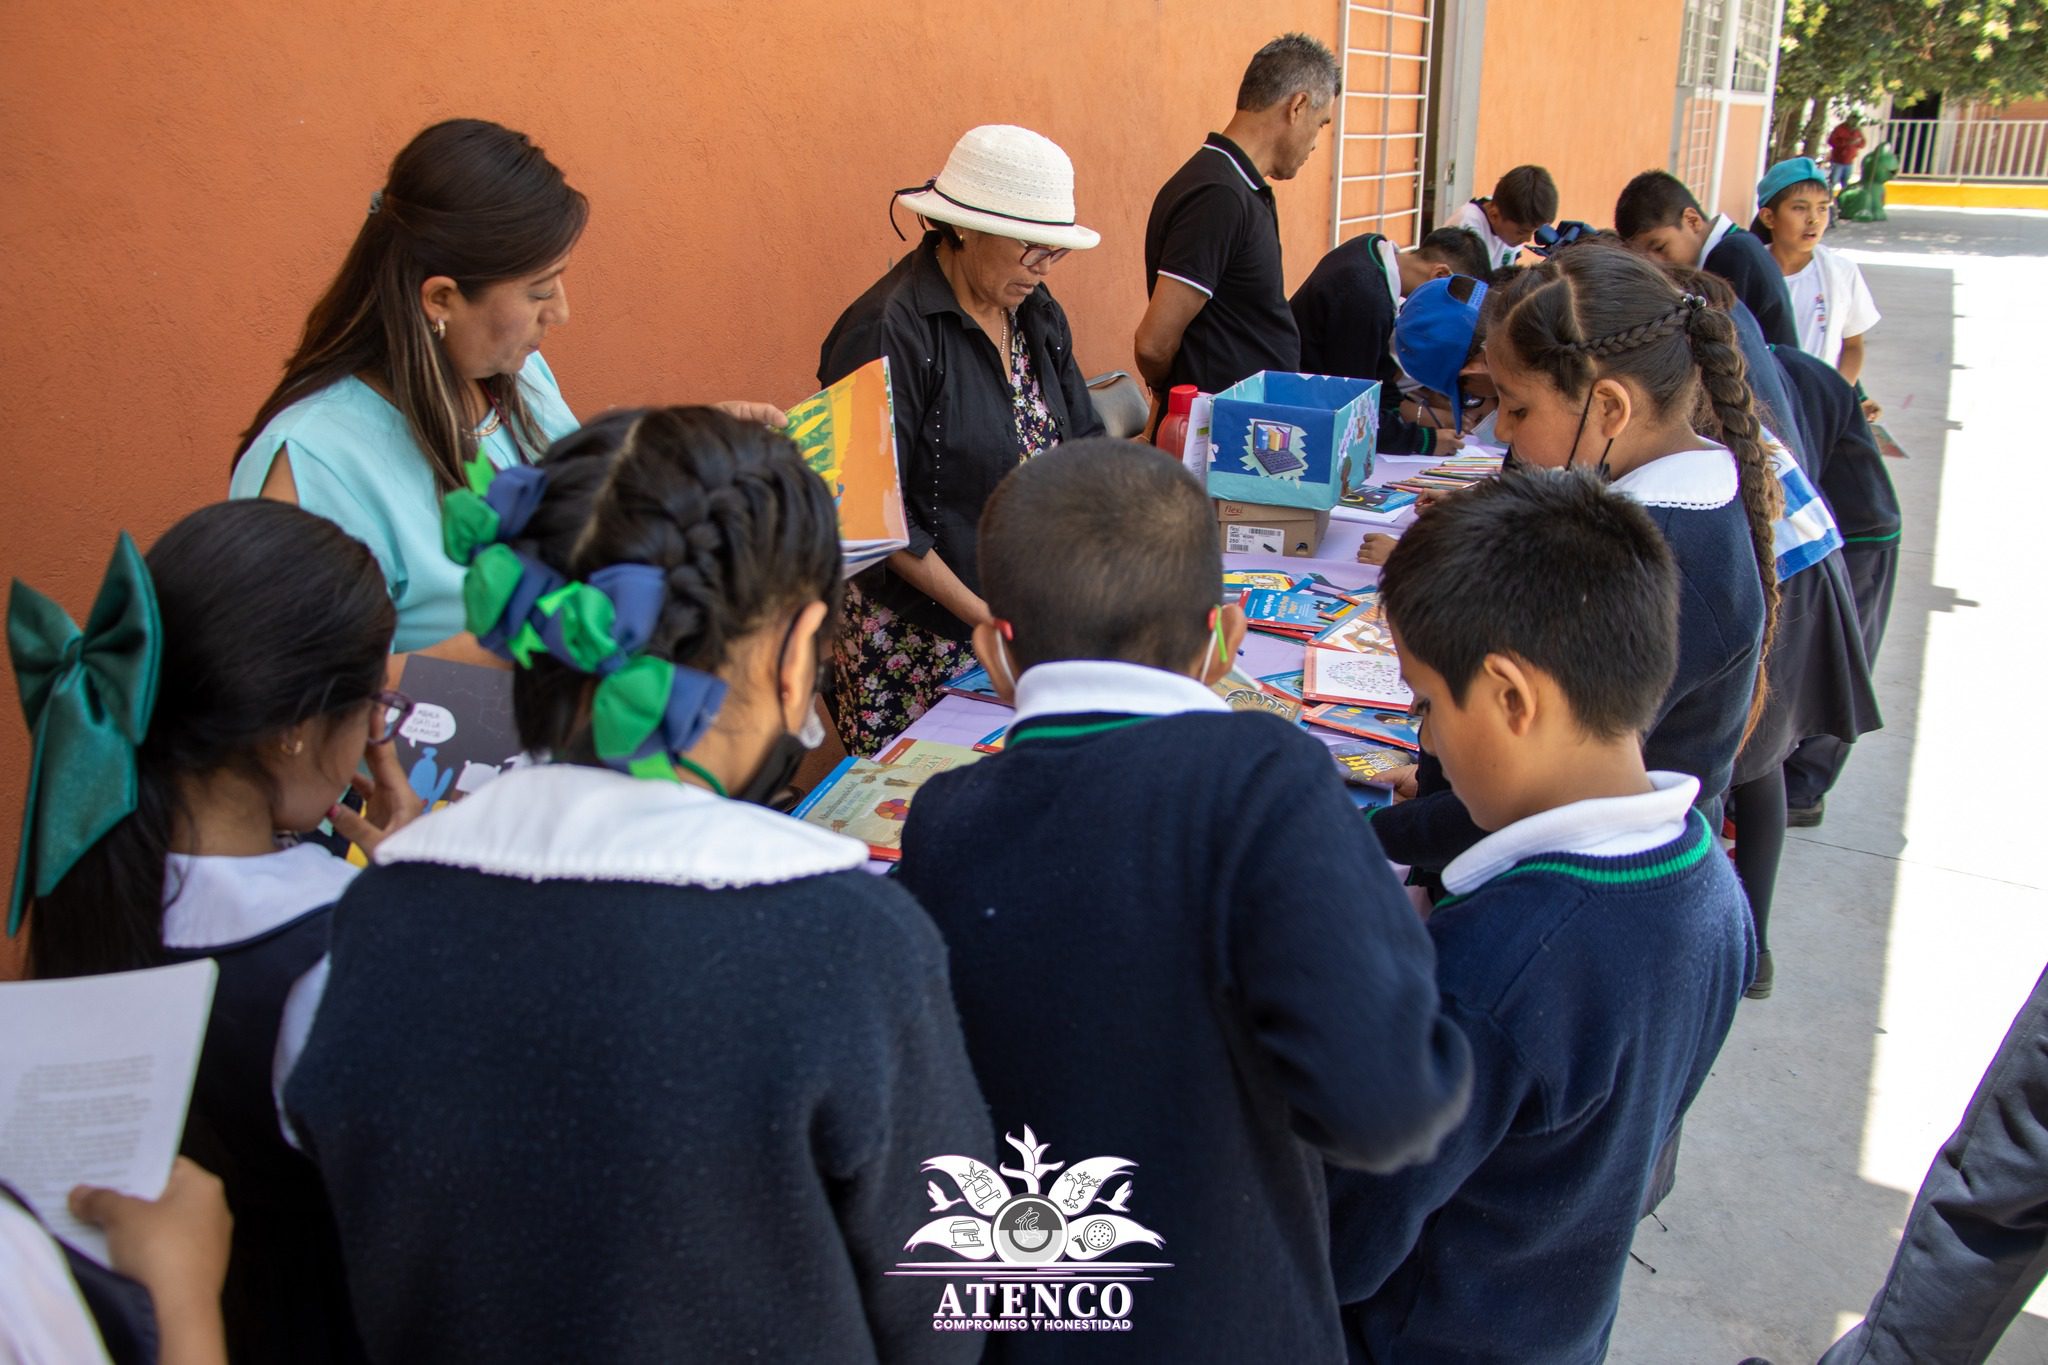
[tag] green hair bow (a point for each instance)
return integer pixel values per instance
(87, 696)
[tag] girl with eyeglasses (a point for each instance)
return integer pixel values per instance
(211, 711)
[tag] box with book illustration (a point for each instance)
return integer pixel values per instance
(1292, 440)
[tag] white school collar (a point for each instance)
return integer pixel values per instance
(1721, 227)
(1605, 827)
(577, 823)
(1074, 687)
(1391, 268)
(1697, 479)
(211, 901)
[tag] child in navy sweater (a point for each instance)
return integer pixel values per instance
(1601, 361)
(1594, 944)
(1658, 215)
(1345, 311)
(267, 691)
(615, 1063)
(1171, 938)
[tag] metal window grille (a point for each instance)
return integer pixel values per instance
(1382, 120)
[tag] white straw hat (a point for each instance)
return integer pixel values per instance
(1008, 181)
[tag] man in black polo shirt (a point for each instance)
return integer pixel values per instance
(1212, 247)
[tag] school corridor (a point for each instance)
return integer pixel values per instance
(1911, 924)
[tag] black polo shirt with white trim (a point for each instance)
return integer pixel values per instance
(1214, 227)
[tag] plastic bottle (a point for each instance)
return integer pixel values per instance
(1172, 436)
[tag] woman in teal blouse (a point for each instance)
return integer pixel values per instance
(424, 352)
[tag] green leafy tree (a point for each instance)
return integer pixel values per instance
(1995, 50)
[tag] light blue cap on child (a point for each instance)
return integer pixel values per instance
(1785, 175)
(1433, 335)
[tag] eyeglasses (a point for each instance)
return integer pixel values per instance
(1036, 256)
(389, 713)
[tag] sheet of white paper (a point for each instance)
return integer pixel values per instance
(94, 1079)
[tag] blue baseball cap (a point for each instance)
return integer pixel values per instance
(1785, 175)
(1433, 335)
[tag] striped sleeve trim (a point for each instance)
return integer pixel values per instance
(1205, 291)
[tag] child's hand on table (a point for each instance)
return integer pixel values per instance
(1402, 780)
(1375, 548)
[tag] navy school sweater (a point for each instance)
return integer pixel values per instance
(1844, 461)
(1698, 726)
(609, 1069)
(1173, 941)
(1345, 312)
(1742, 259)
(1596, 992)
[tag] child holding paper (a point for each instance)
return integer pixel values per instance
(1169, 939)
(1594, 944)
(210, 702)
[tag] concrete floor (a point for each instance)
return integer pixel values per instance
(1910, 926)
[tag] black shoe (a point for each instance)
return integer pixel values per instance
(1806, 817)
(1760, 989)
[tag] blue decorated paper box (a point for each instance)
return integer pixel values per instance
(1292, 440)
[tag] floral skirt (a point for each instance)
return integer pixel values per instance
(888, 672)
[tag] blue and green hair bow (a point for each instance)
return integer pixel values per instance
(645, 709)
(87, 695)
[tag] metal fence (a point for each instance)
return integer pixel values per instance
(2014, 150)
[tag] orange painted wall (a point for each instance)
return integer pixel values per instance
(1584, 88)
(181, 180)
(1739, 168)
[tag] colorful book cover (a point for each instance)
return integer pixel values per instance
(1368, 765)
(1238, 581)
(1315, 582)
(869, 798)
(847, 434)
(1289, 612)
(993, 741)
(1351, 679)
(1365, 631)
(1286, 684)
(973, 683)
(1242, 693)
(1380, 725)
(1375, 498)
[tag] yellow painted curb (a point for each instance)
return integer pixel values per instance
(1937, 194)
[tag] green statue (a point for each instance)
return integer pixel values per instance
(1863, 202)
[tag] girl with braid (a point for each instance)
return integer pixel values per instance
(613, 1061)
(1601, 362)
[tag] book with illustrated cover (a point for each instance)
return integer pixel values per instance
(869, 798)
(1242, 693)
(1375, 498)
(1352, 679)
(1365, 631)
(847, 435)
(1286, 684)
(460, 734)
(1283, 613)
(1239, 581)
(974, 683)
(1379, 725)
(1369, 765)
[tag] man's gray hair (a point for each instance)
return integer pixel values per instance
(1292, 62)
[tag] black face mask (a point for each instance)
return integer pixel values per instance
(787, 753)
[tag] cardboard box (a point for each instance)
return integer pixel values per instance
(1252, 528)
(1292, 440)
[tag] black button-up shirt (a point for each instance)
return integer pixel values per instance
(956, 426)
(1214, 227)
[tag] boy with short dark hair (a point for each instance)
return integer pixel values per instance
(1346, 308)
(1523, 200)
(1171, 936)
(1593, 947)
(1657, 215)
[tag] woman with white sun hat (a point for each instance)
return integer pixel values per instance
(981, 362)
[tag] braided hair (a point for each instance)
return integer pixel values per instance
(741, 527)
(1599, 311)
